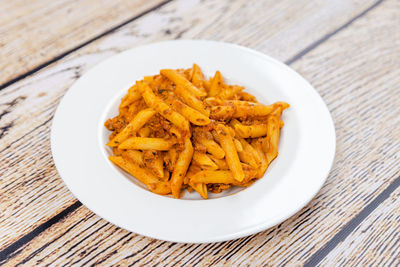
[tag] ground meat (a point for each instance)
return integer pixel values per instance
(115, 124)
(218, 188)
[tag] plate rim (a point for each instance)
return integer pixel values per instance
(249, 230)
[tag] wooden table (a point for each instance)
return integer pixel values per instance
(349, 50)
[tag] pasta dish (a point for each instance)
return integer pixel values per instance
(178, 130)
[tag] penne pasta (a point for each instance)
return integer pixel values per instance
(263, 159)
(221, 163)
(219, 177)
(229, 91)
(215, 84)
(192, 101)
(248, 154)
(214, 177)
(138, 121)
(181, 166)
(144, 132)
(238, 145)
(212, 147)
(154, 161)
(133, 155)
(161, 188)
(252, 110)
(222, 112)
(162, 108)
(146, 143)
(143, 175)
(194, 116)
(182, 82)
(197, 76)
(200, 188)
(273, 129)
(249, 131)
(231, 155)
(132, 96)
(204, 161)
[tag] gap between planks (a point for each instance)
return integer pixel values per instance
(55, 59)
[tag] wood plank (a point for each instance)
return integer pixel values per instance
(33, 32)
(375, 242)
(279, 238)
(40, 94)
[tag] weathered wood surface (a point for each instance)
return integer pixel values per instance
(357, 75)
(375, 242)
(22, 142)
(33, 32)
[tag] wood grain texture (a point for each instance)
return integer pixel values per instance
(375, 242)
(42, 92)
(32, 32)
(359, 84)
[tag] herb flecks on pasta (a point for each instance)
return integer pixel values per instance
(177, 130)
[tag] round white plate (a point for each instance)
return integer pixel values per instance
(306, 149)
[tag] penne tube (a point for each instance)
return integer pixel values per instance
(170, 159)
(117, 152)
(248, 154)
(182, 82)
(263, 159)
(200, 188)
(216, 83)
(207, 84)
(212, 147)
(156, 164)
(231, 131)
(238, 145)
(181, 166)
(204, 161)
(132, 96)
(222, 112)
(161, 188)
(191, 100)
(231, 155)
(213, 101)
(133, 109)
(229, 91)
(144, 132)
(221, 163)
(153, 101)
(197, 76)
(143, 175)
(146, 143)
(273, 123)
(166, 175)
(249, 131)
(252, 110)
(214, 177)
(264, 141)
(247, 97)
(148, 79)
(240, 109)
(175, 131)
(133, 155)
(138, 121)
(219, 177)
(189, 113)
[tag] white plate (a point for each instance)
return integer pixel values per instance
(306, 150)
